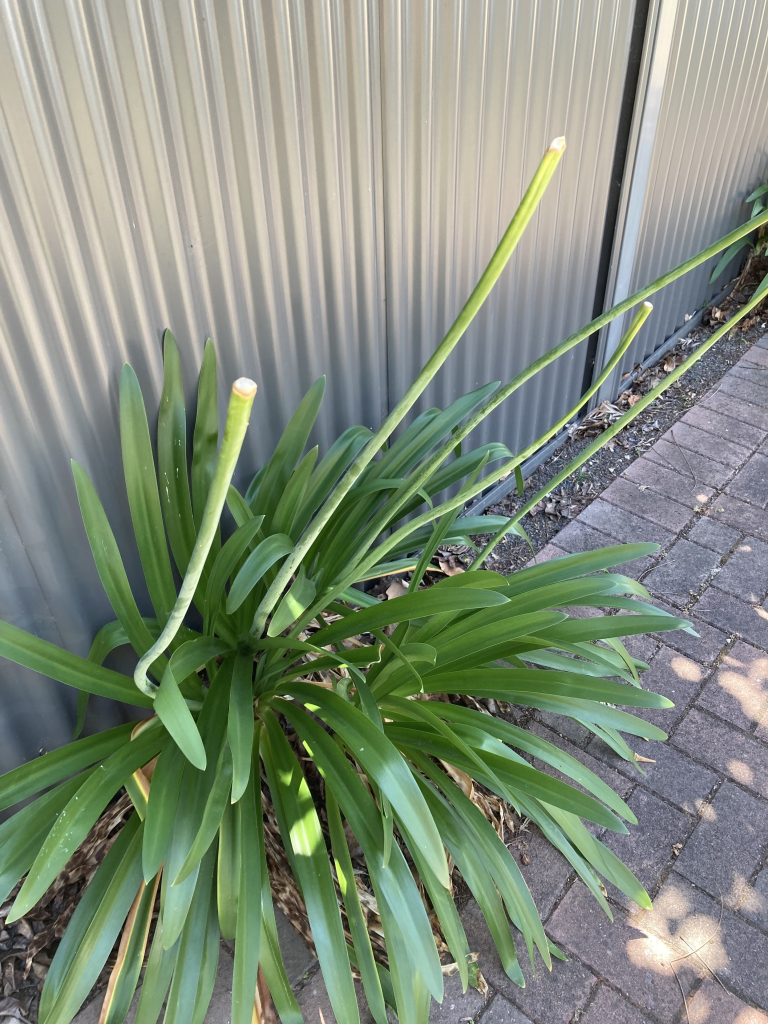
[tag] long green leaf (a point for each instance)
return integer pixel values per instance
(183, 994)
(171, 706)
(80, 814)
(225, 564)
(103, 929)
(357, 923)
(212, 815)
(206, 433)
(384, 764)
(288, 452)
(56, 663)
(305, 838)
(44, 771)
(143, 496)
(22, 835)
(161, 808)
(157, 977)
(429, 602)
(249, 909)
(298, 598)
(172, 459)
(110, 567)
(228, 873)
(392, 880)
(256, 564)
(240, 723)
(133, 941)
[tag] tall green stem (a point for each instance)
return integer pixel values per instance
(240, 402)
(642, 315)
(418, 479)
(636, 409)
(491, 274)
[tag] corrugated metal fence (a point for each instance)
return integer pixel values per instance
(316, 187)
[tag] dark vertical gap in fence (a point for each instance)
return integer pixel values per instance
(618, 171)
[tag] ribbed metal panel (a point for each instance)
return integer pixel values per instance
(472, 94)
(709, 152)
(206, 166)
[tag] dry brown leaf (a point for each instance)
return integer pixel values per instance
(451, 567)
(396, 589)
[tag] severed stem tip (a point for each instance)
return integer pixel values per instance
(557, 145)
(244, 387)
(648, 306)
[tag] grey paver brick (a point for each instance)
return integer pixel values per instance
(676, 677)
(745, 574)
(313, 1000)
(623, 525)
(738, 692)
(672, 774)
(647, 850)
(563, 726)
(622, 952)
(751, 482)
(745, 412)
(546, 873)
(754, 905)
(744, 517)
(714, 535)
(737, 616)
(696, 469)
(718, 449)
(548, 552)
(297, 959)
(711, 1005)
(703, 648)
(725, 749)
(745, 434)
(501, 1011)
(647, 503)
(644, 648)
(725, 848)
(684, 569)
(683, 914)
(745, 370)
(645, 473)
(756, 355)
(744, 390)
(577, 537)
(553, 996)
(608, 1007)
(456, 1005)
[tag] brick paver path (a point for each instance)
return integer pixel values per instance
(701, 846)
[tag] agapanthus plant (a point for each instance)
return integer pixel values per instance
(276, 688)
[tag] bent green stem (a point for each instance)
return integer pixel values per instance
(642, 315)
(240, 402)
(636, 409)
(388, 514)
(483, 287)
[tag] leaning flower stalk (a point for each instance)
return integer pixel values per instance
(482, 289)
(240, 403)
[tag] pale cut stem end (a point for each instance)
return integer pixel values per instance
(244, 387)
(648, 306)
(557, 145)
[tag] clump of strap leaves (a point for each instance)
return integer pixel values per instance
(295, 711)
